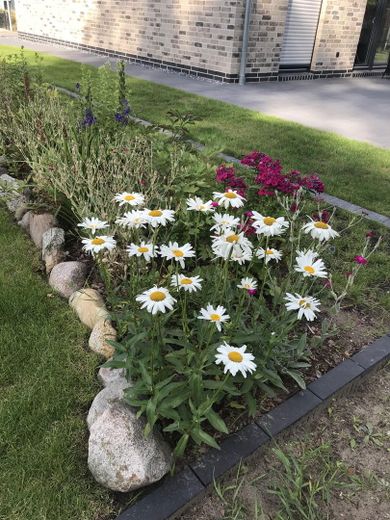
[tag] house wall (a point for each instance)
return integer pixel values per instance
(338, 32)
(188, 33)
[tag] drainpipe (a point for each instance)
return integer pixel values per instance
(9, 15)
(245, 40)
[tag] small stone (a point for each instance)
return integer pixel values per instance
(102, 332)
(8, 180)
(111, 394)
(108, 375)
(68, 277)
(3, 160)
(89, 306)
(21, 211)
(120, 457)
(39, 224)
(53, 247)
(25, 222)
(14, 203)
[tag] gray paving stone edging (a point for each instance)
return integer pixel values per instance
(331, 199)
(174, 494)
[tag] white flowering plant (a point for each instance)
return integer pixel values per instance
(216, 303)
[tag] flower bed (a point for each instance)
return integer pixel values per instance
(219, 284)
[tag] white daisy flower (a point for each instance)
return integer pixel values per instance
(307, 264)
(134, 219)
(223, 245)
(187, 283)
(197, 204)
(178, 253)
(305, 305)
(229, 198)
(159, 217)
(269, 226)
(268, 254)
(215, 315)
(92, 224)
(248, 283)
(99, 243)
(241, 256)
(224, 222)
(235, 359)
(144, 249)
(319, 230)
(156, 299)
(132, 199)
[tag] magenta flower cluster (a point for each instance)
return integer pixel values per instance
(270, 176)
(227, 176)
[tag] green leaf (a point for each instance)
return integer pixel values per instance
(216, 421)
(297, 378)
(200, 436)
(181, 445)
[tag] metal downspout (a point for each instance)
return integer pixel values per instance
(245, 40)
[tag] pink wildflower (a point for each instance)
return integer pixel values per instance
(360, 260)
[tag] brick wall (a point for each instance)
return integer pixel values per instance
(338, 32)
(193, 33)
(266, 37)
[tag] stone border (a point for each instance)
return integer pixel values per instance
(174, 494)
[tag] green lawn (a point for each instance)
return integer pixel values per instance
(352, 170)
(47, 381)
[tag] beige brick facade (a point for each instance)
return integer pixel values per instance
(338, 34)
(198, 36)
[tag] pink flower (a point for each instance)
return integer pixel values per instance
(370, 234)
(248, 214)
(360, 260)
(215, 204)
(252, 292)
(294, 207)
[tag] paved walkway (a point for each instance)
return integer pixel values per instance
(358, 108)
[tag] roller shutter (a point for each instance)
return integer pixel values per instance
(300, 32)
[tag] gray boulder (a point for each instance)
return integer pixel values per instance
(113, 393)
(68, 277)
(120, 457)
(108, 375)
(53, 242)
(39, 224)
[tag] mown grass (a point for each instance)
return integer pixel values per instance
(47, 381)
(352, 170)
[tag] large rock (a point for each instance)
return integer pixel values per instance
(108, 375)
(21, 211)
(89, 305)
(68, 277)
(102, 332)
(53, 247)
(113, 393)
(39, 224)
(120, 457)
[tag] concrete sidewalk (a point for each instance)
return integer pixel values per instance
(358, 108)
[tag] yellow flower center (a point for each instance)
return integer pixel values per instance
(235, 356)
(321, 225)
(128, 198)
(309, 269)
(269, 251)
(304, 304)
(157, 296)
(232, 238)
(155, 213)
(143, 249)
(215, 317)
(230, 195)
(186, 281)
(178, 253)
(98, 241)
(268, 221)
